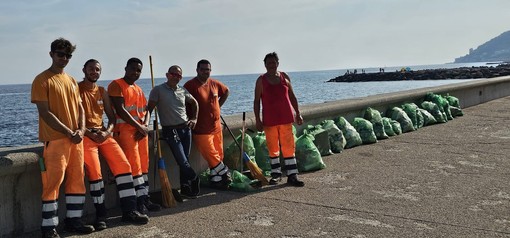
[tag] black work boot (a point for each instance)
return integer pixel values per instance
(195, 185)
(275, 178)
(218, 185)
(50, 233)
(135, 217)
(294, 181)
(140, 205)
(223, 184)
(187, 192)
(100, 224)
(152, 207)
(76, 225)
(226, 179)
(177, 195)
(101, 212)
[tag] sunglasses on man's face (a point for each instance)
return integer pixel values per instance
(176, 75)
(62, 54)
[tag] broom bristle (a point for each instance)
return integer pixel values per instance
(256, 172)
(166, 190)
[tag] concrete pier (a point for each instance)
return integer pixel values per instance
(445, 180)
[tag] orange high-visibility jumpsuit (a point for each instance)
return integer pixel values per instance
(137, 152)
(61, 158)
(92, 101)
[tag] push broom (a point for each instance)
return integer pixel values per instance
(166, 188)
(255, 171)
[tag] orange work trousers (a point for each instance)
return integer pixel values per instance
(61, 158)
(110, 151)
(137, 152)
(278, 138)
(210, 147)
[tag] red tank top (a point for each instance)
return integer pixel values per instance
(276, 106)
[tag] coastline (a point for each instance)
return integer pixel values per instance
(427, 74)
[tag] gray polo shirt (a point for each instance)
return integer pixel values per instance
(171, 104)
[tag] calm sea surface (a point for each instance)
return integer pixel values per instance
(18, 125)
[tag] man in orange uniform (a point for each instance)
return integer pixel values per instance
(97, 139)
(275, 92)
(131, 128)
(61, 129)
(207, 134)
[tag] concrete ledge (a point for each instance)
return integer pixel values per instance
(21, 186)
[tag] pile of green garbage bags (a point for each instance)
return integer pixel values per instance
(337, 134)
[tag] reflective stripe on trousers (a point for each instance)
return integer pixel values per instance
(74, 205)
(49, 215)
(217, 172)
(126, 190)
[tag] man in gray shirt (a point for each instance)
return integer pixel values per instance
(173, 101)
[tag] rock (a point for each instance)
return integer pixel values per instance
(429, 74)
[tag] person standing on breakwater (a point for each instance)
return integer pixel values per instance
(131, 128)
(207, 134)
(274, 91)
(97, 140)
(61, 129)
(173, 101)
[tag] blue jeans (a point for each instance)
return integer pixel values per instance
(179, 141)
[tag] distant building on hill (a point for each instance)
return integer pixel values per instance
(494, 50)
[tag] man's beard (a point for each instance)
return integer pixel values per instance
(93, 80)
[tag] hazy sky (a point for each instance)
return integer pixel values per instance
(236, 34)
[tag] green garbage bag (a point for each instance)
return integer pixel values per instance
(396, 127)
(428, 119)
(419, 119)
(307, 155)
(375, 118)
(410, 109)
(321, 139)
(365, 130)
(456, 112)
(387, 126)
(453, 101)
(232, 153)
(204, 178)
(262, 153)
(241, 183)
(447, 109)
(454, 105)
(336, 137)
(400, 115)
(442, 103)
(434, 110)
(351, 135)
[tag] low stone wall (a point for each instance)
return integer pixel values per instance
(20, 200)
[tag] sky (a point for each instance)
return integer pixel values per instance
(235, 35)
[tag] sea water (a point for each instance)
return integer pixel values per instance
(19, 120)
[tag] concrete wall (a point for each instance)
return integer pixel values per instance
(20, 186)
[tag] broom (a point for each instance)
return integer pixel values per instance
(255, 171)
(166, 188)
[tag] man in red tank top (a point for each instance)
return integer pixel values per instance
(274, 91)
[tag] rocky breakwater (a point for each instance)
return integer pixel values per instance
(428, 74)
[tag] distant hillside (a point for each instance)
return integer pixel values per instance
(497, 49)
